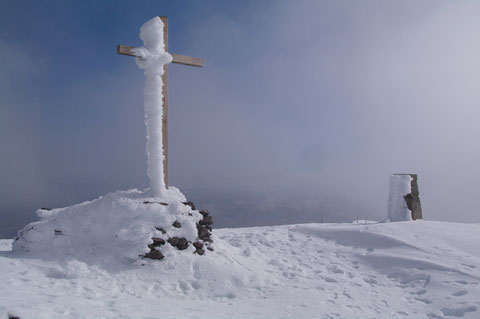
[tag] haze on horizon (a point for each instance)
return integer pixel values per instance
(302, 111)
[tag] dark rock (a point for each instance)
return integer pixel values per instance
(58, 232)
(45, 208)
(154, 254)
(199, 248)
(157, 241)
(149, 202)
(161, 230)
(198, 245)
(176, 224)
(206, 238)
(207, 220)
(182, 244)
(192, 206)
(203, 233)
(204, 213)
(173, 241)
(210, 248)
(13, 317)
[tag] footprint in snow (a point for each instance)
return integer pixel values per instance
(424, 300)
(461, 283)
(469, 266)
(459, 293)
(353, 306)
(329, 279)
(229, 295)
(459, 311)
(246, 252)
(370, 280)
(347, 295)
(419, 292)
(335, 269)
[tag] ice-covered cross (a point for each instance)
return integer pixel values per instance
(153, 58)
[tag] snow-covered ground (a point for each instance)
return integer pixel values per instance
(387, 270)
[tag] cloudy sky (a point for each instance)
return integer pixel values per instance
(303, 110)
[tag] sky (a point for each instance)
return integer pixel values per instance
(301, 113)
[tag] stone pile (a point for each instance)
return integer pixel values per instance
(204, 231)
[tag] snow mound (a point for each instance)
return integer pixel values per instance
(111, 231)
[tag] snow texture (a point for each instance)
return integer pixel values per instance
(400, 185)
(111, 231)
(151, 57)
(418, 270)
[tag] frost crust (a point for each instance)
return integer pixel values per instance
(400, 185)
(152, 58)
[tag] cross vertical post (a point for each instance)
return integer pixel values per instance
(165, 104)
(177, 59)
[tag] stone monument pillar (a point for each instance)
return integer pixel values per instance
(404, 199)
(413, 199)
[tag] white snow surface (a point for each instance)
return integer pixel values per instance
(412, 269)
(400, 185)
(151, 57)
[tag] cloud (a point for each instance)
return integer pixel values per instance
(17, 163)
(328, 100)
(420, 105)
(303, 110)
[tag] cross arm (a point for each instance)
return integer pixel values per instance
(177, 58)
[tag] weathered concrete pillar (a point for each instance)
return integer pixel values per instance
(404, 199)
(413, 199)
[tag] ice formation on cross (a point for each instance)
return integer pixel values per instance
(152, 57)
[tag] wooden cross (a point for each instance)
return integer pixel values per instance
(178, 59)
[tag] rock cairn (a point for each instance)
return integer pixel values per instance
(204, 241)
